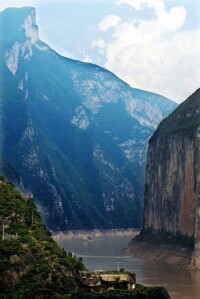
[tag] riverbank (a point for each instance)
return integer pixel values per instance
(170, 254)
(97, 233)
(105, 253)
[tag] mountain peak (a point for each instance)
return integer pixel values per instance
(75, 135)
(23, 21)
(19, 33)
(26, 10)
(30, 25)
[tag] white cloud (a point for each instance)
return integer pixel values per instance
(173, 20)
(155, 54)
(108, 22)
(87, 58)
(134, 3)
(137, 4)
(100, 43)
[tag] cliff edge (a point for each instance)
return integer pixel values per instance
(172, 190)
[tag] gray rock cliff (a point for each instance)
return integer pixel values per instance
(172, 191)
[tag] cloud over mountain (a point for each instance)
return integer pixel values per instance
(154, 51)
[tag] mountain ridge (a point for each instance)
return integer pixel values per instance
(74, 133)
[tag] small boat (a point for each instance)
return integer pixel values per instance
(87, 239)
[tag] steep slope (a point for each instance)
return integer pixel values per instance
(172, 191)
(32, 264)
(73, 135)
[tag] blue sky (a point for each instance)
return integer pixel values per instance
(151, 44)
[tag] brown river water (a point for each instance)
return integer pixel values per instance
(106, 253)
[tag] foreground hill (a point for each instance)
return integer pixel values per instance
(32, 265)
(73, 135)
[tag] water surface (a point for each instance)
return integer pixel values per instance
(106, 253)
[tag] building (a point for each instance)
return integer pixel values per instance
(97, 280)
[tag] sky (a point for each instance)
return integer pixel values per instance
(151, 44)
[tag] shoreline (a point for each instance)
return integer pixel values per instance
(169, 254)
(96, 233)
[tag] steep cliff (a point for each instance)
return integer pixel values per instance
(172, 191)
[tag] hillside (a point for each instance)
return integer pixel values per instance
(185, 118)
(32, 264)
(73, 135)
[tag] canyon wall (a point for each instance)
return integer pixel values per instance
(172, 190)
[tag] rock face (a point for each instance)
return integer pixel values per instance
(172, 191)
(73, 135)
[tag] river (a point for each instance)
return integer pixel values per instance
(106, 253)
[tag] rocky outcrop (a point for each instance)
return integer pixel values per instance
(170, 254)
(172, 191)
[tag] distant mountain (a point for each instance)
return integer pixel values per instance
(73, 135)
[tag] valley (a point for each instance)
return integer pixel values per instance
(99, 180)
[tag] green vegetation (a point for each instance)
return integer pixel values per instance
(31, 263)
(140, 292)
(33, 266)
(185, 119)
(162, 237)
